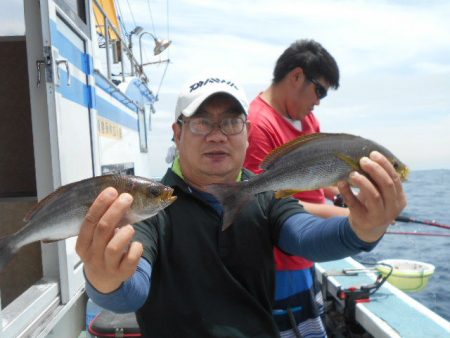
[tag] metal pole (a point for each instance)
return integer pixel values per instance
(140, 48)
(155, 62)
(121, 62)
(133, 61)
(130, 47)
(140, 42)
(108, 61)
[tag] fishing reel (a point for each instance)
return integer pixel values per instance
(338, 201)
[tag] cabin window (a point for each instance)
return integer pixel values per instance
(75, 12)
(78, 7)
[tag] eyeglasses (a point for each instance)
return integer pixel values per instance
(204, 126)
(321, 92)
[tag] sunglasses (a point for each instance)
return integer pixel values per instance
(321, 92)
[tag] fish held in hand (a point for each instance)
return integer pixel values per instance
(306, 163)
(59, 215)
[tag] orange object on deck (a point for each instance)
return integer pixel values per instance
(109, 7)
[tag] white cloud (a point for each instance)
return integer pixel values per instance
(393, 57)
(12, 18)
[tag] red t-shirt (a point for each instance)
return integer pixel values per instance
(269, 130)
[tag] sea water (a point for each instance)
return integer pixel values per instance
(428, 194)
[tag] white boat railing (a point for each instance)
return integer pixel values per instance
(121, 44)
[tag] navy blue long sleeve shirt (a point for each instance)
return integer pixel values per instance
(301, 235)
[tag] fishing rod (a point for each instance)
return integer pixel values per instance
(339, 201)
(432, 223)
(417, 233)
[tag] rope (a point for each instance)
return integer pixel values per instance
(160, 82)
(131, 13)
(151, 17)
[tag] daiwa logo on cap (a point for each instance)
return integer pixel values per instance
(211, 80)
(198, 89)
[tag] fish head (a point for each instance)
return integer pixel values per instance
(360, 147)
(401, 168)
(150, 197)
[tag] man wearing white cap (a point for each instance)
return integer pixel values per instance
(183, 275)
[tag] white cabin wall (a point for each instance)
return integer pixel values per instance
(125, 150)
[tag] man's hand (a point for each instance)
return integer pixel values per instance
(379, 201)
(105, 249)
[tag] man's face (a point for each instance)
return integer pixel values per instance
(215, 157)
(304, 95)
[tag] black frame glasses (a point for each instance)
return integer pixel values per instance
(321, 91)
(204, 126)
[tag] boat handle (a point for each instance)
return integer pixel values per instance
(58, 62)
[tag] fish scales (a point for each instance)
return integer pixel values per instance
(307, 163)
(316, 164)
(75, 201)
(60, 214)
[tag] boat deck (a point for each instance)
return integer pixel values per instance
(390, 312)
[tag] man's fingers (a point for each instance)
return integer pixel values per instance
(383, 161)
(118, 246)
(373, 187)
(388, 183)
(346, 192)
(131, 259)
(94, 214)
(109, 221)
(389, 168)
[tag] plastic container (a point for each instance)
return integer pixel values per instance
(407, 275)
(92, 310)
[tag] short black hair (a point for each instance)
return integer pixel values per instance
(312, 57)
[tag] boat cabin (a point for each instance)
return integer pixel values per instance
(76, 103)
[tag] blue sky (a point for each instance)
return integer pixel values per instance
(394, 59)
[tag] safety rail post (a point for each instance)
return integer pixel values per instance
(108, 61)
(133, 62)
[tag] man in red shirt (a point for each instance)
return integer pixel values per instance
(302, 76)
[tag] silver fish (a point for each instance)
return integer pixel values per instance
(307, 163)
(60, 214)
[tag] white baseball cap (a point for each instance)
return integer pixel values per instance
(198, 89)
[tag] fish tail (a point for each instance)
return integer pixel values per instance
(7, 250)
(232, 197)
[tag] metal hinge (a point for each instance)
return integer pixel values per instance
(48, 66)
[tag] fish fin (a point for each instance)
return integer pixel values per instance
(48, 199)
(232, 197)
(286, 193)
(7, 250)
(54, 195)
(350, 161)
(281, 151)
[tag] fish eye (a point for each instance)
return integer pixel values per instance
(154, 191)
(395, 165)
